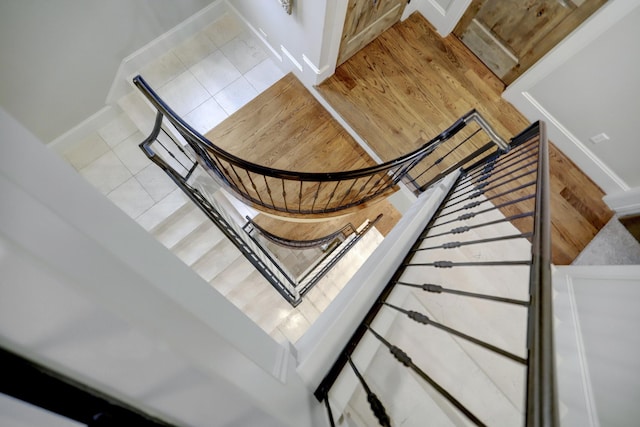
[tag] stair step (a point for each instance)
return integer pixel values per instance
(233, 276)
(180, 224)
(162, 210)
(248, 289)
(216, 259)
(197, 243)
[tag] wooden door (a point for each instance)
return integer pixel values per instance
(366, 20)
(511, 35)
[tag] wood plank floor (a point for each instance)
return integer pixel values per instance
(410, 84)
(286, 128)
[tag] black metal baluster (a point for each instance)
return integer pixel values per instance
(348, 191)
(483, 188)
(374, 402)
(266, 184)
(440, 159)
(470, 215)
(465, 228)
(255, 188)
(329, 412)
(284, 196)
(404, 358)
(315, 198)
(476, 203)
(425, 320)
(456, 244)
(506, 171)
(498, 164)
(333, 193)
(430, 287)
(300, 198)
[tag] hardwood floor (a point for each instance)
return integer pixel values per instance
(410, 84)
(286, 128)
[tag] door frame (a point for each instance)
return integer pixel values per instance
(546, 44)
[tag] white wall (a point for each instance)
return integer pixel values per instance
(60, 57)
(598, 344)
(85, 290)
(589, 84)
(308, 34)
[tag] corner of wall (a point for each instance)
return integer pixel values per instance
(568, 143)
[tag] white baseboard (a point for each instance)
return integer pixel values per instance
(82, 130)
(152, 50)
(274, 52)
(625, 202)
(568, 143)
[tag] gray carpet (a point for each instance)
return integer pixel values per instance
(613, 245)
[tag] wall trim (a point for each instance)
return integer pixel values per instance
(85, 128)
(518, 92)
(624, 203)
(597, 167)
(444, 20)
(254, 30)
(589, 398)
(437, 7)
(291, 58)
(152, 50)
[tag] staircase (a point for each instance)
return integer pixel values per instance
(186, 231)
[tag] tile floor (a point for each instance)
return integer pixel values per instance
(204, 80)
(207, 78)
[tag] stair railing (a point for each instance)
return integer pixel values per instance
(494, 226)
(321, 193)
(164, 149)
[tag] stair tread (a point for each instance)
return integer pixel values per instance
(163, 210)
(233, 275)
(181, 223)
(216, 260)
(197, 243)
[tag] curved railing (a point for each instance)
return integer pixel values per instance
(319, 193)
(300, 244)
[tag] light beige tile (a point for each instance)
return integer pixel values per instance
(162, 70)
(244, 52)
(206, 116)
(117, 130)
(131, 198)
(179, 225)
(198, 243)
(156, 182)
(232, 276)
(106, 173)
(195, 49)
(86, 151)
(215, 72)
(236, 95)
(264, 75)
(294, 326)
(131, 155)
(224, 29)
(308, 310)
(215, 261)
(183, 94)
(162, 210)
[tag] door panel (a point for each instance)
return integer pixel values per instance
(365, 20)
(511, 35)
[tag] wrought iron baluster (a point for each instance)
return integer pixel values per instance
(374, 402)
(429, 287)
(404, 358)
